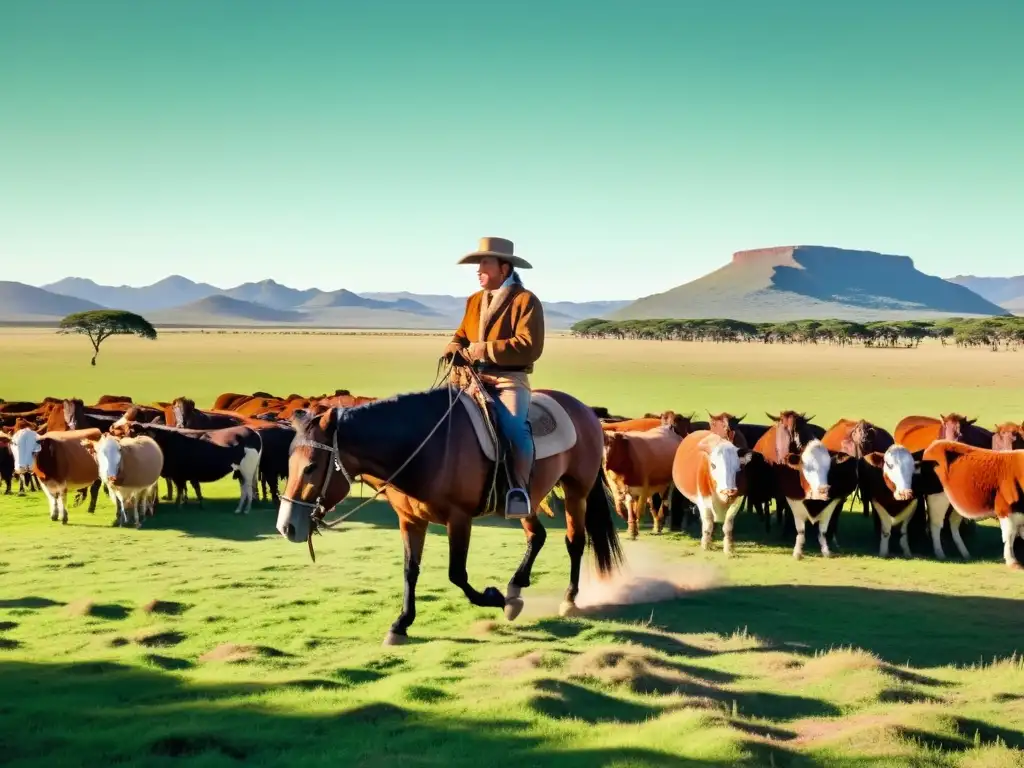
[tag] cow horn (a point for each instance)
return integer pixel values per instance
(770, 417)
(807, 418)
(740, 418)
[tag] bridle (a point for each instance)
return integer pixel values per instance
(317, 509)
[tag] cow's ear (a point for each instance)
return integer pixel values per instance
(745, 456)
(875, 459)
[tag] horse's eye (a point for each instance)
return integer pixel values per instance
(308, 469)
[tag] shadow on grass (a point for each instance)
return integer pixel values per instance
(821, 617)
(123, 714)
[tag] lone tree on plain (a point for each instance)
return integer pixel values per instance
(101, 324)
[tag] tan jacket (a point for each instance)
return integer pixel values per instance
(512, 327)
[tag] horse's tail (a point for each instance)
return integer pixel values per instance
(599, 520)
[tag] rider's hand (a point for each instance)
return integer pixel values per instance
(477, 351)
(451, 350)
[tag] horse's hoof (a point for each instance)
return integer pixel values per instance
(568, 609)
(513, 607)
(1015, 566)
(393, 638)
(798, 555)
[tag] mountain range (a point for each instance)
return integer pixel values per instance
(767, 284)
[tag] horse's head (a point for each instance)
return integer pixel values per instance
(317, 478)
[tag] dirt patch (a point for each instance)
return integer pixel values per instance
(485, 627)
(520, 665)
(641, 672)
(234, 653)
(86, 607)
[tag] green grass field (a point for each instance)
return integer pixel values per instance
(205, 639)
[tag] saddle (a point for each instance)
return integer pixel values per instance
(551, 428)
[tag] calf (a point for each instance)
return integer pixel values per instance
(887, 480)
(130, 466)
(198, 456)
(61, 462)
(981, 483)
(708, 471)
(638, 464)
(813, 482)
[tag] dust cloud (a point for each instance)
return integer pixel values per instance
(649, 574)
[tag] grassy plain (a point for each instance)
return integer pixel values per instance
(205, 637)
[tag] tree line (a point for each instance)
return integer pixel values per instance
(994, 332)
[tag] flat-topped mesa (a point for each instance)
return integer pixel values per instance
(782, 254)
(804, 255)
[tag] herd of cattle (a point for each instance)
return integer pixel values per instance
(949, 468)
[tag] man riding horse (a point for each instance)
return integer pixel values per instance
(502, 336)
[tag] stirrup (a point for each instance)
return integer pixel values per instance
(517, 504)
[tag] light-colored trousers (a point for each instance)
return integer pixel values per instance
(512, 409)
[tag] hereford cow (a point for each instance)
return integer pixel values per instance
(887, 480)
(789, 432)
(637, 465)
(1008, 437)
(916, 433)
(981, 483)
(130, 467)
(198, 456)
(813, 482)
(858, 439)
(708, 470)
(61, 462)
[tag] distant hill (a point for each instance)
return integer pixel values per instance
(172, 291)
(28, 303)
(1007, 292)
(804, 282)
(177, 299)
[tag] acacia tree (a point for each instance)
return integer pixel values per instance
(101, 324)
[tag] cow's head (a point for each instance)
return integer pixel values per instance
(897, 465)
(107, 451)
(24, 447)
(679, 424)
(951, 427)
(725, 461)
(859, 438)
(814, 463)
(74, 410)
(791, 432)
(1008, 437)
(183, 408)
(724, 424)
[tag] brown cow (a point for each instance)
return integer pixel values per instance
(725, 425)
(183, 413)
(1008, 437)
(61, 463)
(887, 480)
(916, 433)
(790, 432)
(637, 465)
(981, 483)
(708, 470)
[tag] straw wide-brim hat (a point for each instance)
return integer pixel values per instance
(499, 248)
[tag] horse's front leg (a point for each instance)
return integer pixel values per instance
(459, 527)
(414, 534)
(535, 537)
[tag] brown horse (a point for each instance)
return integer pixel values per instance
(429, 449)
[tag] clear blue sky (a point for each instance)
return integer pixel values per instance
(367, 145)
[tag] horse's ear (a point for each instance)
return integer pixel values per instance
(328, 419)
